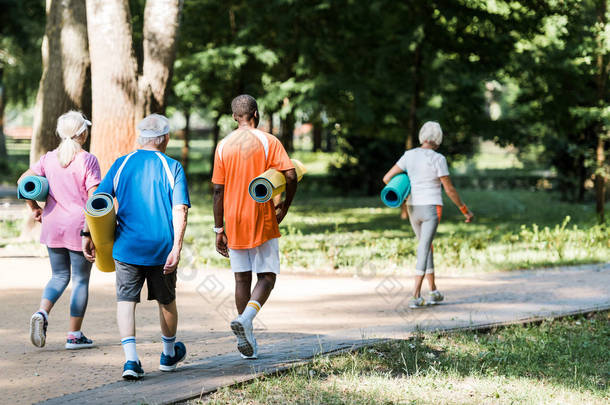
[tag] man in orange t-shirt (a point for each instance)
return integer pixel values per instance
(246, 231)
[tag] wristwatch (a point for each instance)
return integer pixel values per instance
(219, 230)
(83, 233)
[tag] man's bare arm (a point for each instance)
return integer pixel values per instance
(291, 190)
(219, 212)
(179, 218)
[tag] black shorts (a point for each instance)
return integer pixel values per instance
(130, 279)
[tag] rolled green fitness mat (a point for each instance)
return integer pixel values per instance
(396, 191)
(33, 188)
(271, 183)
(101, 219)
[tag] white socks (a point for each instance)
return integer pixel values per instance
(129, 347)
(44, 313)
(251, 310)
(168, 345)
(76, 334)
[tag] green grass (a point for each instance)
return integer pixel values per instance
(513, 230)
(556, 362)
(326, 232)
(9, 230)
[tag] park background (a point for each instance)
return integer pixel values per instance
(519, 87)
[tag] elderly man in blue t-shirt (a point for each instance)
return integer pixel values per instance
(153, 203)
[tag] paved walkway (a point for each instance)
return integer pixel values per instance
(305, 315)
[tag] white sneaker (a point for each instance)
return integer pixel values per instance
(38, 329)
(245, 338)
(435, 297)
(254, 355)
(417, 303)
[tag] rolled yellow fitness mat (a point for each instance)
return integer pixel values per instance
(271, 183)
(101, 219)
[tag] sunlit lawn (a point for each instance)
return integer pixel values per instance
(513, 230)
(328, 232)
(556, 362)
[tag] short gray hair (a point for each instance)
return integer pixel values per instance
(431, 132)
(153, 129)
(157, 140)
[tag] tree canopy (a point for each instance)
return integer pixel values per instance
(369, 73)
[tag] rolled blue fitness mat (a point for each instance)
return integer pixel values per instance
(33, 188)
(396, 191)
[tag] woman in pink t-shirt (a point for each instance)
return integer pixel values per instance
(73, 176)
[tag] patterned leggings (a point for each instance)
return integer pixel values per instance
(61, 261)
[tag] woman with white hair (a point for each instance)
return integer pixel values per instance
(427, 171)
(73, 175)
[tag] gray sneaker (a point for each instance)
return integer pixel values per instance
(417, 303)
(254, 352)
(245, 338)
(435, 297)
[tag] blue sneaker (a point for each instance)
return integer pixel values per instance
(168, 363)
(72, 343)
(133, 370)
(38, 329)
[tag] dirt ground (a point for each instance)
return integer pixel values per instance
(299, 306)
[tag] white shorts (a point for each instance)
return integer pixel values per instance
(261, 259)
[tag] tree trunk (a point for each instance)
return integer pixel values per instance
(582, 178)
(600, 180)
(113, 80)
(602, 76)
(330, 142)
(3, 154)
(185, 146)
(287, 132)
(120, 97)
(64, 84)
(161, 22)
(216, 137)
(270, 123)
(317, 134)
(412, 125)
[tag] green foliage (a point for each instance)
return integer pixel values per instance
(21, 31)
(349, 61)
(358, 165)
(512, 230)
(557, 97)
(562, 361)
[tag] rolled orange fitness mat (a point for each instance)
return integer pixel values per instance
(271, 183)
(101, 219)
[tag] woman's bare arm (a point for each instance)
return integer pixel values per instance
(28, 172)
(391, 173)
(455, 197)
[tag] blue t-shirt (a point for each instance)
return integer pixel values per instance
(145, 233)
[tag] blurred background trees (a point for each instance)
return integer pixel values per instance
(362, 77)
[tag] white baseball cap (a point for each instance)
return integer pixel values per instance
(153, 126)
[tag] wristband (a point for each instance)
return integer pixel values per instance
(464, 209)
(83, 233)
(219, 230)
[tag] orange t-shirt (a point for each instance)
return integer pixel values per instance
(240, 157)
